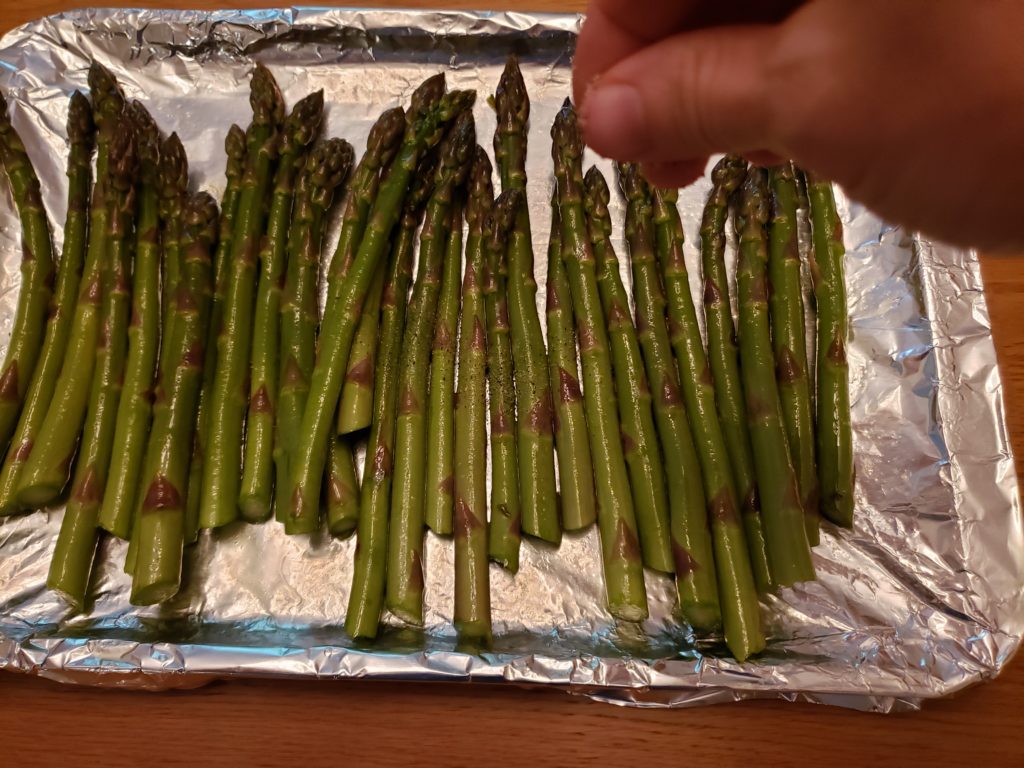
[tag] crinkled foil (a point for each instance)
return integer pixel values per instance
(922, 598)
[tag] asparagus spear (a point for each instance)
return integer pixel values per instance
(623, 567)
(736, 589)
(835, 435)
(256, 496)
(503, 532)
(636, 418)
(36, 278)
(173, 181)
(430, 110)
(81, 136)
(325, 170)
(405, 532)
(220, 482)
(575, 470)
(234, 148)
(788, 550)
(439, 502)
(342, 488)
(134, 411)
(534, 409)
(696, 585)
(723, 356)
(48, 463)
(789, 341)
(472, 582)
(76, 543)
(157, 573)
(357, 391)
(368, 577)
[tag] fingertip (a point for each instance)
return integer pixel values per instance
(613, 120)
(674, 175)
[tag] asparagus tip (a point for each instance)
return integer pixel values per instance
(304, 122)
(511, 99)
(480, 188)
(728, 173)
(456, 149)
(201, 217)
(754, 202)
(265, 97)
(80, 124)
(565, 133)
(147, 136)
(173, 166)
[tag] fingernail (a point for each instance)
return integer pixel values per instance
(613, 120)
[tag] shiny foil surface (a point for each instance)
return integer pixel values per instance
(922, 598)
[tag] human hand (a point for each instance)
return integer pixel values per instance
(915, 107)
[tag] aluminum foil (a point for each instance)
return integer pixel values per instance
(922, 598)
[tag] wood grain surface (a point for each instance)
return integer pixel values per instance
(365, 724)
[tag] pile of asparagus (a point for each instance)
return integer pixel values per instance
(176, 374)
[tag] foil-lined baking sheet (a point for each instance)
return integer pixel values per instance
(922, 598)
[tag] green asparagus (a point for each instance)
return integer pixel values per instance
(789, 340)
(623, 566)
(835, 434)
(256, 495)
(736, 589)
(723, 357)
(696, 585)
(222, 461)
(161, 504)
(575, 470)
(534, 408)
(81, 136)
(788, 549)
(408, 492)
(636, 416)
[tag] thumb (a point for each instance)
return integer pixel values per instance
(686, 97)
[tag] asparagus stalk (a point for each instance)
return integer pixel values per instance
(723, 357)
(736, 589)
(161, 516)
(696, 585)
(623, 567)
(37, 276)
(503, 533)
(440, 417)
(323, 173)
(235, 149)
(48, 464)
(835, 435)
(636, 417)
(256, 496)
(220, 481)
(789, 340)
(408, 493)
(173, 182)
(430, 110)
(135, 410)
(575, 469)
(342, 488)
(357, 391)
(76, 543)
(472, 582)
(788, 550)
(368, 577)
(81, 137)
(534, 408)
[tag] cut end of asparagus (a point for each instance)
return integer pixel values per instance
(595, 200)
(80, 124)
(304, 122)
(567, 141)
(511, 99)
(480, 188)
(265, 98)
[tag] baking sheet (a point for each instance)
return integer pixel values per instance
(922, 598)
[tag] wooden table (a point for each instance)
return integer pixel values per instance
(364, 724)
